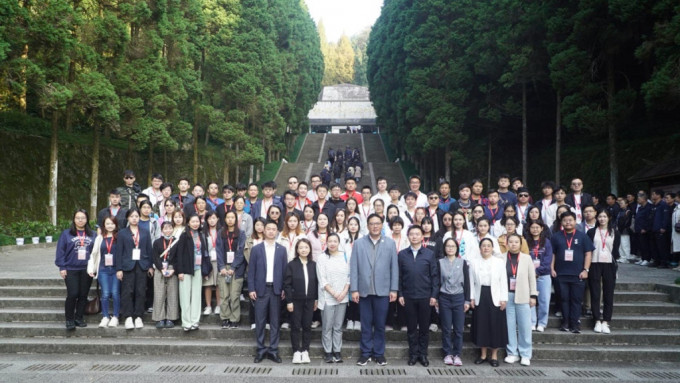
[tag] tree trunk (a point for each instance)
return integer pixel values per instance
(129, 155)
(225, 171)
(250, 177)
(611, 122)
(150, 170)
(54, 167)
(524, 133)
(207, 137)
(165, 165)
(194, 142)
(238, 167)
(22, 96)
(447, 164)
(94, 179)
(69, 106)
(488, 169)
(558, 137)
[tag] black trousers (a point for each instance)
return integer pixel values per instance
(268, 303)
(604, 274)
(301, 316)
(634, 243)
(133, 293)
(417, 323)
(643, 246)
(352, 312)
(148, 301)
(396, 316)
(78, 284)
(571, 291)
(660, 243)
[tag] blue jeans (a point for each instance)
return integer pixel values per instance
(543, 285)
(519, 328)
(110, 286)
(373, 313)
(452, 311)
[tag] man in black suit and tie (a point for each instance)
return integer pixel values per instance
(265, 282)
(577, 199)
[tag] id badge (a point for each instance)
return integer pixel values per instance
(513, 283)
(230, 257)
(165, 265)
(82, 254)
(569, 255)
(136, 254)
(605, 256)
(108, 259)
(537, 262)
(198, 259)
(213, 255)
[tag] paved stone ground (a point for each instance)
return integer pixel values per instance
(39, 263)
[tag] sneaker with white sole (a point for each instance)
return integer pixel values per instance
(457, 361)
(644, 263)
(540, 328)
(357, 325)
(350, 325)
(316, 324)
(389, 328)
(297, 357)
(605, 328)
(434, 327)
(105, 322)
(305, 357)
(598, 327)
(511, 359)
(113, 322)
(266, 327)
(242, 298)
(285, 326)
(525, 362)
(448, 360)
(217, 310)
(207, 311)
(404, 328)
(129, 323)
(253, 326)
(139, 323)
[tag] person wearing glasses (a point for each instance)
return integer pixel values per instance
(522, 207)
(129, 191)
(578, 198)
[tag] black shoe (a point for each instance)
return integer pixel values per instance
(258, 358)
(337, 357)
(363, 360)
(424, 361)
(663, 267)
(381, 361)
(80, 323)
(274, 357)
(70, 325)
(412, 361)
(564, 329)
(589, 313)
(233, 325)
(169, 324)
(480, 360)
(225, 324)
(493, 362)
(160, 324)
(328, 358)
(575, 330)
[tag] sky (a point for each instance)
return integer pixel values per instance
(344, 16)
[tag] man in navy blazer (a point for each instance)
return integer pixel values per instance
(259, 209)
(374, 282)
(578, 198)
(265, 283)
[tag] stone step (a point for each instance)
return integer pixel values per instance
(310, 150)
(350, 350)
(618, 321)
(211, 331)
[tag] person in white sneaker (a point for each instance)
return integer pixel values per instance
(101, 266)
(333, 274)
(133, 261)
(522, 296)
(540, 251)
(603, 269)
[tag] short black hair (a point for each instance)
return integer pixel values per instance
(393, 187)
(415, 177)
(462, 186)
(444, 183)
(410, 194)
(157, 176)
(166, 185)
(227, 187)
(241, 186)
(567, 213)
(394, 220)
(128, 173)
(547, 184)
(492, 191)
(380, 178)
(504, 175)
(303, 183)
(416, 227)
(367, 187)
(183, 179)
(336, 185)
(322, 186)
(269, 185)
(114, 192)
(289, 192)
(374, 215)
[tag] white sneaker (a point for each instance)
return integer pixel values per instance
(605, 328)
(644, 263)
(357, 325)
(242, 298)
(316, 324)
(434, 327)
(305, 357)
(129, 323)
(266, 327)
(207, 311)
(389, 328)
(252, 326)
(297, 357)
(511, 359)
(639, 262)
(540, 328)
(404, 328)
(139, 323)
(217, 310)
(285, 326)
(113, 322)
(533, 328)
(105, 322)
(598, 327)
(350, 325)
(525, 362)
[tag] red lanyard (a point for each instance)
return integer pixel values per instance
(227, 208)
(181, 204)
(604, 238)
(323, 243)
(109, 245)
(81, 238)
(214, 201)
(165, 246)
(493, 214)
(458, 239)
(432, 214)
(213, 237)
(536, 250)
(230, 242)
(135, 237)
(291, 241)
(569, 241)
(197, 241)
(308, 227)
(513, 267)
(366, 211)
(522, 213)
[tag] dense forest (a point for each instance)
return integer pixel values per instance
(472, 89)
(162, 75)
(344, 60)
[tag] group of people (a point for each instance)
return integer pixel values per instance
(339, 162)
(324, 255)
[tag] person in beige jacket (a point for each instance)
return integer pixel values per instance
(522, 296)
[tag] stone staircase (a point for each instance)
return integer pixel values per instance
(646, 326)
(315, 152)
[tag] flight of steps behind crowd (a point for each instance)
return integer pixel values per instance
(646, 326)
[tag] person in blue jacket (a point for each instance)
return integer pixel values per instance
(643, 228)
(133, 257)
(661, 230)
(73, 252)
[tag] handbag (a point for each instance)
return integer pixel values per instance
(94, 305)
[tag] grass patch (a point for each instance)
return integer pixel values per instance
(297, 147)
(408, 167)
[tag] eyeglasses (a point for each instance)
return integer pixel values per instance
(374, 223)
(523, 195)
(129, 177)
(433, 197)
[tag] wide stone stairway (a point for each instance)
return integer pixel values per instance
(314, 154)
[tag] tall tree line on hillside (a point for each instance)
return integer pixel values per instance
(344, 60)
(466, 82)
(164, 75)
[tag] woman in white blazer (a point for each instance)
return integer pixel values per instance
(489, 296)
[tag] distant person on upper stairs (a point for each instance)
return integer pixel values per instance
(326, 175)
(331, 155)
(337, 170)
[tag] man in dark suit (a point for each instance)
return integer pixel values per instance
(259, 209)
(578, 198)
(265, 282)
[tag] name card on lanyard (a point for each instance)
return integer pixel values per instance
(136, 252)
(82, 250)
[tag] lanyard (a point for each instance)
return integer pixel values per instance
(513, 267)
(397, 242)
(432, 214)
(165, 246)
(197, 241)
(366, 211)
(604, 238)
(308, 227)
(181, 204)
(323, 242)
(213, 237)
(230, 242)
(291, 241)
(82, 238)
(213, 200)
(135, 237)
(523, 213)
(109, 245)
(458, 239)
(536, 250)
(569, 241)
(493, 213)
